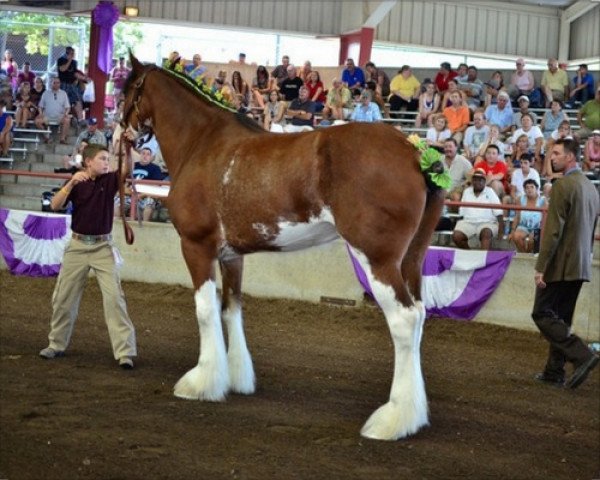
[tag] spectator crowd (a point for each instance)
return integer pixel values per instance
(493, 145)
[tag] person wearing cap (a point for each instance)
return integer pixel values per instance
(443, 76)
(91, 134)
(591, 155)
(523, 102)
(482, 223)
(583, 85)
(564, 262)
(501, 114)
(91, 191)
(521, 81)
(555, 83)
(366, 110)
(588, 116)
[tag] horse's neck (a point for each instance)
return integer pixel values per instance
(177, 115)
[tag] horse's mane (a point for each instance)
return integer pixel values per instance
(200, 89)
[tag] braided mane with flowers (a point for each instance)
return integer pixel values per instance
(176, 69)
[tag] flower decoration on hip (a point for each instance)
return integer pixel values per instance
(431, 163)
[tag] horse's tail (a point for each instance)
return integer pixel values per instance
(412, 263)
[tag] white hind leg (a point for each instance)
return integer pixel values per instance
(241, 371)
(406, 410)
(209, 380)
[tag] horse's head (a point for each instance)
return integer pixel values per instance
(136, 111)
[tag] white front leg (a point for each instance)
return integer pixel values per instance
(209, 380)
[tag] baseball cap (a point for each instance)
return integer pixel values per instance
(596, 132)
(523, 97)
(478, 172)
(92, 121)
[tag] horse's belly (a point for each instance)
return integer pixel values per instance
(297, 236)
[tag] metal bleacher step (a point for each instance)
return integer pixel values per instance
(33, 190)
(19, 202)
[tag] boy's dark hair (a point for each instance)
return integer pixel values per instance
(530, 181)
(493, 145)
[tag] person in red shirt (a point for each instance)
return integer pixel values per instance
(495, 170)
(443, 77)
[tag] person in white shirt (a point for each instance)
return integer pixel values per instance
(483, 223)
(535, 138)
(475, 136)
(54, 106)
(519, 175)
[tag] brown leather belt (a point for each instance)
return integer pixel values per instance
(92, 239)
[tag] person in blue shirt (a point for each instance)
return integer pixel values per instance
(366, 110)
(353, 76)
(583, 85)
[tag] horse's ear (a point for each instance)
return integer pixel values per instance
(135, 63)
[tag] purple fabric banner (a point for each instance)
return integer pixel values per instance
(105, 15)
(33, 243)
(456, 283)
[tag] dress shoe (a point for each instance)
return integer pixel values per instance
(582, 371)
(554, 381)
(126, 363)
(49, 353)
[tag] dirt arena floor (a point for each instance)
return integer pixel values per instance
(321, 371)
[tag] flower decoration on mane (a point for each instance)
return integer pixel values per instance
(431, 162)
(176, 69)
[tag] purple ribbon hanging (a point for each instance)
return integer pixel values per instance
(105, 16)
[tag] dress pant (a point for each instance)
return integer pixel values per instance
(553, 314)
(79, 258)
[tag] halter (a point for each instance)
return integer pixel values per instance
(137, 86)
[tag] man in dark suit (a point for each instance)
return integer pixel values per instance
(563, 264)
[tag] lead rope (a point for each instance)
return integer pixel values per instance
(127, 230)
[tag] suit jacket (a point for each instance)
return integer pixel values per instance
(566, 248)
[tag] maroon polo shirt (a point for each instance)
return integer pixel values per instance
(94, 205)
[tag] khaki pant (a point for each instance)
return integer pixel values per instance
(78, 260)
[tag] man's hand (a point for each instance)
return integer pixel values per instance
(538, 277)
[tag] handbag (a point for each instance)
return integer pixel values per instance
(89, 94)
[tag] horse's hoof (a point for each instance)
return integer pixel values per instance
(390, 422)
(196, 385)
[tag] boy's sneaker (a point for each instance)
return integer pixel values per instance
(49, 353)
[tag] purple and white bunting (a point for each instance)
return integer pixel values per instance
(456, 283)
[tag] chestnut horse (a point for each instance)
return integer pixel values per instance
(237, 189)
